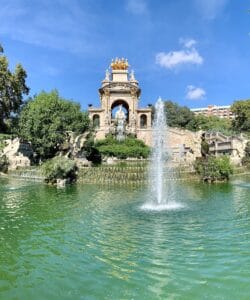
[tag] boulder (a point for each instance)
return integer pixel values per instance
(18, 153)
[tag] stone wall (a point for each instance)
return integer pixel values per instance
(185, 145)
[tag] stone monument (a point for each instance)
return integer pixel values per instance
(120, 88)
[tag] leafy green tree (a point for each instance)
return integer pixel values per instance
(241, 109)
(178, 116)
(45, 119)
(12, 89)
(210, 123)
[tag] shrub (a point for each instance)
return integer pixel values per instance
(214, 168)
(90, 151)
(130, 147)
(59, 168)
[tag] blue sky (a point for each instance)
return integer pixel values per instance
(194, 52)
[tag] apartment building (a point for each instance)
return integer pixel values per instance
(214, 110)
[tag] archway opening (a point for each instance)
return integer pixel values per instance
(116, 106)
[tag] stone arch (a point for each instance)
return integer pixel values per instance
(96, 120)
(125, 106)
(143, 121)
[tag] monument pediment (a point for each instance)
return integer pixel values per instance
(120, 87)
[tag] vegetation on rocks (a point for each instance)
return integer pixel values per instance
(4, 164)
(59, 168)
(214, 168)
(246, 158)
(3, 138)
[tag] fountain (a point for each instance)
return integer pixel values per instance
(161, 172)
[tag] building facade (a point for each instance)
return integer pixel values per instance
(120, 91)
(214, 110)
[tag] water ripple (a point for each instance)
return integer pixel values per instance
(87, 242)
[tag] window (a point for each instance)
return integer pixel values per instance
(143, 121)
(96, 121)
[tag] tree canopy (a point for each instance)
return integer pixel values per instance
(241, 109)
(177, 116)
(45, 119)
(209, 123)
(12, 88)
(183, 117)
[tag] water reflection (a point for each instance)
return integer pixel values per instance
(96, 242)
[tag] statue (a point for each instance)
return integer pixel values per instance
(120, 118)
(132, 76)
(120, 114)
(106, 119)
(119, 64)
(107, 75)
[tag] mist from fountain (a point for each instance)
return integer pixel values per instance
(161, 171)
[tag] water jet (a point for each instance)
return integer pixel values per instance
(161, 192)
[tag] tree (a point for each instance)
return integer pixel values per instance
(177, 116)
(210, 123)
(45, 119)
(12, 89)
(241, 110)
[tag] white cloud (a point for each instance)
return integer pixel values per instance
(195, 93)
(173, 59)
(188, 43)
(210, 9)
(137, 7)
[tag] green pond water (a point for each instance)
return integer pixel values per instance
(95, 242)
